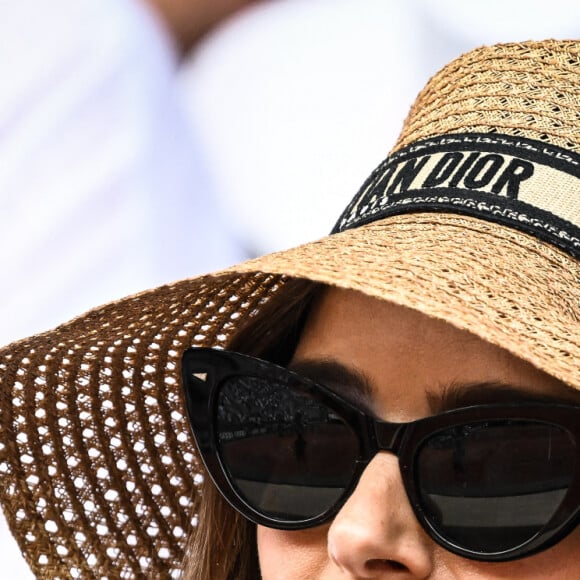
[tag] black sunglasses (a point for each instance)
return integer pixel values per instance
(488, 482)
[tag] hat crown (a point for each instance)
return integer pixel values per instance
(529, 89)
(494, 135)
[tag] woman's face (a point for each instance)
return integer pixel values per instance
(415, 366)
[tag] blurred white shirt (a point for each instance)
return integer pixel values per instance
(103, 191)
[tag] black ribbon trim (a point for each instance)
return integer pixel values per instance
(513, 213)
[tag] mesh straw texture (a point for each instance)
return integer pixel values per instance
(98, 472)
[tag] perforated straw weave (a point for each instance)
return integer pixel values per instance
(98, 472)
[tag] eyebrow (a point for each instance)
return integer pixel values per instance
(348, 382)
(457, 395)
(352, 384)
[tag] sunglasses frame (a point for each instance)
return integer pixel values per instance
(204, 369)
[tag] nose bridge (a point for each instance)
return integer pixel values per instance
(388, 436)
(375, 534)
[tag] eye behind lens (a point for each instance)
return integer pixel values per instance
(492, 486)
(287, 455)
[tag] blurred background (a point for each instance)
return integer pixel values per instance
(144, 141)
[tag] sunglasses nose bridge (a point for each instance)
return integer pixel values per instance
(388, 436)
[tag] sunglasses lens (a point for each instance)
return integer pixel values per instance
(491, 486)
(288, 455)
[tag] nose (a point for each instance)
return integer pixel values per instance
(376, 534)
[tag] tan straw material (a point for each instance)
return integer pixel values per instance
(528, 89)
(98, 473)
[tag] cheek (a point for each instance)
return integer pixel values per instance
(291, 555)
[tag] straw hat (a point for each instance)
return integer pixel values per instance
(474, 218)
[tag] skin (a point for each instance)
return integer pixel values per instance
(191, 20)
(410, 362)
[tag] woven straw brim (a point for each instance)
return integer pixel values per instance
(502, 285)
(97, 465)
